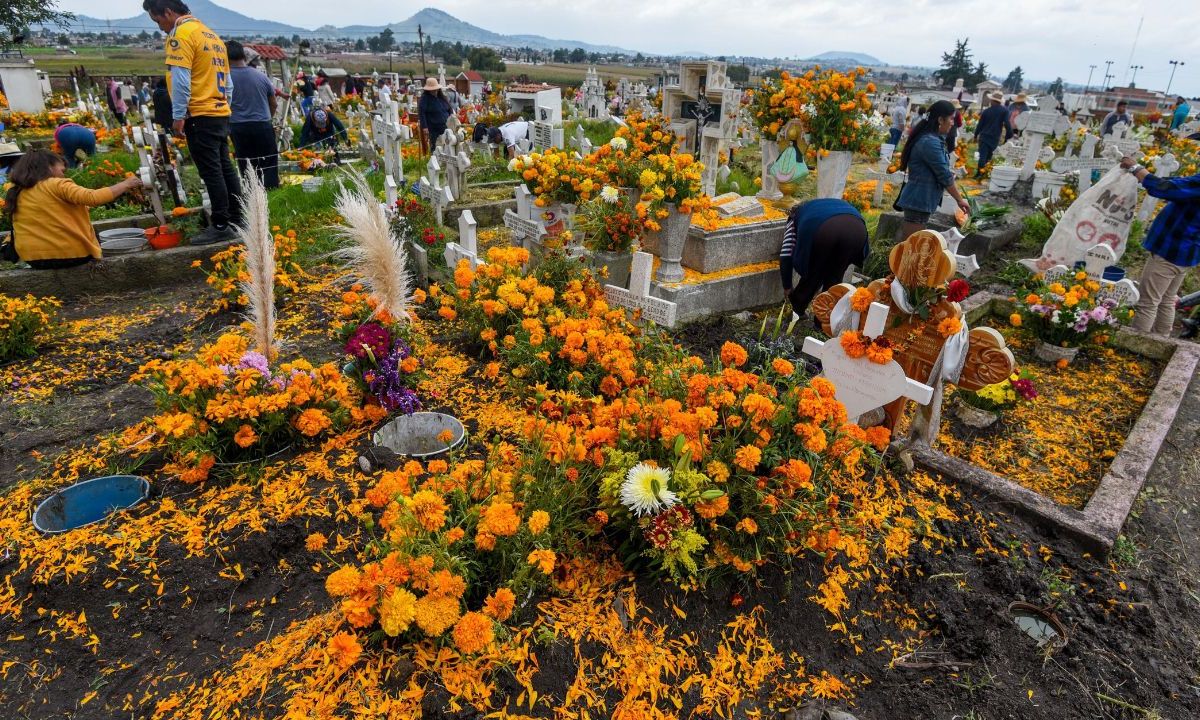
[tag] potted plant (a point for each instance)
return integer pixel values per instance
(611, 232)
(1063, 319)
(982, 408)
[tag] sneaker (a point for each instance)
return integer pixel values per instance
(213, 234)
(1190, 329)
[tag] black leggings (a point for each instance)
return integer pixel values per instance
(59, 263)
(837, 244)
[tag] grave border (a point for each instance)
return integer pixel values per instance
(1100, 521)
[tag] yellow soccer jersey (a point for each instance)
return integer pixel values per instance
(192, 45)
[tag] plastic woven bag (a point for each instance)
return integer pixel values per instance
(1100, 216)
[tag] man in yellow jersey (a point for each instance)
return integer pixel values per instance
(200, 85)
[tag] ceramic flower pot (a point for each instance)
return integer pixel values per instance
(972, 416)
(832, 169)
(618, 265)
(1053, 353)
(670, 248)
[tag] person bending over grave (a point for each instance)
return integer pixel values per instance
(509, 134)
(433, 111)
(1174, 245)
(51, 227)
(822, 239)
(987, 131)
(322, 127)
(201, 88)
(929, 170)
(78, 143)
(250, 122)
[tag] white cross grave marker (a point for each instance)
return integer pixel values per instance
(1120, 139)
(524, 227)
(638, 297)
(965, 265)
(148, 175)
(1085, 165)
(433, 191)
(861, 384)
(455, 160)
(467, 246)
(1035, 127)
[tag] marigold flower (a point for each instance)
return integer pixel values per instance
(709, 509)
(397, 611)
(313, 422)
(861, 300)
(879, 354)
(747, 458)
(950, 326)
(473, 633)
(538, 522)
(853, 344)
(879, 437)
(733, 355)
(343, 581)
(543, 560)
(429, 509)
(499, 605)
(717, 470)
(344, 649)
(747, 525)
(436, 613)
(316, 542)
(1015, 319)
(500, 519)
(783, 367)
(245, 436)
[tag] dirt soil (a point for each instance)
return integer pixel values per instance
(1133, 621)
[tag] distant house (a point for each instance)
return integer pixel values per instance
(470, 84)
(986, 87)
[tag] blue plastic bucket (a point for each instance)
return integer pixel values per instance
(88, 502)
(1114, 273)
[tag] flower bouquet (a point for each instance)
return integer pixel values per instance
(607, 225)
(1064, 319)
(24, 323)
(982, 408)
(380, 360)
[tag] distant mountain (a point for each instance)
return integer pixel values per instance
(434, 23)
(846, 56)
(223, 21)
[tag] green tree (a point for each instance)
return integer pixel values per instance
(738, 73)
(956, 64)
(485, 59)
(1057, 88)
(578, 55)
(18, 15)
(360, 45)
(1014, 81)
(977, 76)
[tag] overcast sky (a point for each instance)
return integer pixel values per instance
(1048, 38)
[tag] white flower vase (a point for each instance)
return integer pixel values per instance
(770, 185)
(1053, 353)
(671, 240)
(972, 416)
(832, 169)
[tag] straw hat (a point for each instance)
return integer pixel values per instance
(996, 96)
(431, 83)
(1020, 97)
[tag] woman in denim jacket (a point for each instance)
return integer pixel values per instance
(929, 171)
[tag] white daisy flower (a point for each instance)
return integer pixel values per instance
(618, 143)
(512, 165)
(610, 194)
(645, 492)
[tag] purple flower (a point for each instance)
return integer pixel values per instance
(369, 341)
(253, 360)
(388, 386)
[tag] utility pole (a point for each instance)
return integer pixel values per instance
(421, 39)
(1091, 69)
(1135, 68)
(1108, 73)
(1174, 64)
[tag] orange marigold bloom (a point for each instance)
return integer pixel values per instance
(485, 540)
(316, 543)
(538, 522)
(747, 457)
(245, 436)
(474, 632)
(717, 470)
(343, 581)
(949, 326)
(444, 582)
(397, 611)
(313, 422)
(783, 367)
(500, 519)
(853, 344)
(879, 354)
(436, 613)
(747, 525)
(344, 649)
(429, 509)
(709, 509)
(499, 605)
(879, 437)
(824, 387)
(454, 534)
(542, 560)
(861, 300)
(733, 355)
(419, 296)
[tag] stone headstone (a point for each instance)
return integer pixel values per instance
(1098, 258)
(467, 246)
(638, 297)
(738, 206)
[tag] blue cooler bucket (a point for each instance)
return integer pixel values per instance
(88, 502)
(1114, 273)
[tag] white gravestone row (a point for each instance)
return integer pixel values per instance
(454, 160)
(1123, 292)
(1119, 137)
(467, 246)
(861, 384)
(434, 191)
(638, 297)
(1084, 165)
(148, 174)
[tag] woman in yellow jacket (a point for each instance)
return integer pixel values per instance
(51, 226)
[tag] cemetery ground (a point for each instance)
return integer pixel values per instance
(212, 598)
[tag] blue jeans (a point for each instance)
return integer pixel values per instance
(71, 139)
(894, 136)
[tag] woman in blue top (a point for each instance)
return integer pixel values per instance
(929, 171)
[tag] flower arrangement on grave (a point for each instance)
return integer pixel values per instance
(228, 275)
(607, 224)
(414, 220)
(777, 101)
(232, 401)
(554, 176)
(923, 300)
(3, 100)
(25, 323)
(773, 342)
(836, 113)
(1070, 316)
(669, 179)
(1002, 396)
(308, 159)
